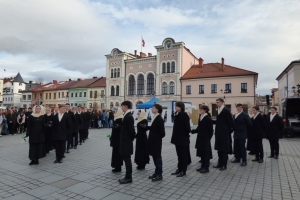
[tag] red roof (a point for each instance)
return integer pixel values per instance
(101, 82)
(211, 70)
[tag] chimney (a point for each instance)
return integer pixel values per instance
(223, 66)
(142, 55)
(149, 54)
(70, 79)
(95, 77)
(79, 79)
(135, 52)
(54, 81)
(201, 62)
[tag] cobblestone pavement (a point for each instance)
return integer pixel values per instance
(86, 174)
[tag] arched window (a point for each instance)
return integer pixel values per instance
(117, 90)
(173, 67)
(140, 84)
(164, 88)
(164, 68)
(168, 67)
(111, 104)
(112, 91)
(111, 73)
(150, 83)
(118, 72)
(131, 85)
(115, 72)
(172, 88)
(117, 104)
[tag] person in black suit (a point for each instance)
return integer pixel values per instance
(181, 138)
(258, 128)
(274, 130)
(69, 143)
(60, 130)
(81, 126)
(126, 140)
(204, 132)
(241, 125)
(154, 143)
(86, 123)
(77, 122)
(48, 117)
(223, 130)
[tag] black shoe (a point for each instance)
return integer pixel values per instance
(140, 168)
(236, 161)
(36, 162)
(157, 178)
(223, 168)
(152, 176)
(61, 161)
(204, 171)
(271, 156)
(80, 143)
(244, 163)
(116, 170)
(67, 151)
(276, 157)
(255, 160)
(198, 170)
(71, 147)
(260, 161)
(32, 162)
(176, 172)
(217, 166)
(125, 180)
(75, 147)
(181, 174)
(250, 153)
(200, 161)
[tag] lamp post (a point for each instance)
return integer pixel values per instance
(296, 90)
(224, 92)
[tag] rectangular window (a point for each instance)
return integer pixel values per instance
(49, 95)
(228, 88)
(63, 95)
(12, 90)
(29, 97)
(91, 94)
(46, 95)
(95, 94)
(102, 93)
(201, 89)
(59, 95)
(84, 94)
(68, 94)
(188, 89)
(243, 87)
(54, 96)
(213, 88)
(72, 94)
(80, 94)
(24, 97)
(75, 94)
(34, 96)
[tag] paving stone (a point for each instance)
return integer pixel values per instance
(65, 183)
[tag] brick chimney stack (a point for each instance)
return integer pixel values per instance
(54, 81)
(135, 52)
(149, 54)
(79, 79)
(201, 62)
(223, 66)
(142, 55)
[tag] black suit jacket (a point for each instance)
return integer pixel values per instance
(60, 128)
(205, 132)
(242, 124)
(259, 127)
(156, 134)
(274, 128)
(77, 122)
(82, 119)
(127, 135)
(181, 129)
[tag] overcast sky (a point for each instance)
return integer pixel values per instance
(61, 39)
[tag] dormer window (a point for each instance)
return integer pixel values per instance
(168, 44)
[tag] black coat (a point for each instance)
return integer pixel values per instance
(82, 116)
(181, 129)
(274, 128)
(77, 122)
(127, 135)
(156, 134)
(259, 127)
(115, 133)
(86, 120)
(141, 153)
(60, 129)
(36, 129)
(241, 125)
(71, 120)
(205, 132)
(223, 130)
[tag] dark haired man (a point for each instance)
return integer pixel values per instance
(223, 130)
(69, 143)
(154, 143)
(181, 138)
(258, 128)
(274, 130)
(126, 140)
(242, 123)
(81, 126)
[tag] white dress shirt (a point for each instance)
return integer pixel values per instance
(220, 109)
(237, 114)
(128, 111)
(272, 116)
(154, 117)
(256, 115)
(60, 116)
(202, 116)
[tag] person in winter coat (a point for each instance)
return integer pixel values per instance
(36, 133)
(141, 157)
(48, 117)
(21, 121)
(76, 125)
(181, 138)
(116, 158)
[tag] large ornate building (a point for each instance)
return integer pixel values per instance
(139, 77)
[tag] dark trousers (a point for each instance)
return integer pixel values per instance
(183, 155)
(128, 165)
(158, 165)
(274, 146)
(81, 135)
(75, 142)
(69, 142)
(258, 148)
(223, 157)
(60, 146)
(205, 159)
(241, 149)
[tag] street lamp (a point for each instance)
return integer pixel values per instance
(296, 90)
(224, 92)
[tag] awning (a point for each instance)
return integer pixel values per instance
(148, 104)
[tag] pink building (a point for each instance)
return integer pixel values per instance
(139, 77)
(204, 83)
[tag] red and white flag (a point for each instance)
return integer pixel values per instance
(143, 42)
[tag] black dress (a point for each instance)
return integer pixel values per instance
(141, 157)
(116, 158)
(36, 133)
(48, 132)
